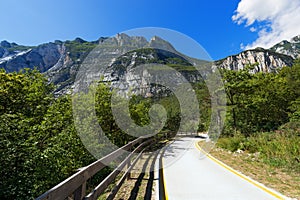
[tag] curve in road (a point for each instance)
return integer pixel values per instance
(190, 174)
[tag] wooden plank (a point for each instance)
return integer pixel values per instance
(65, 188)
(80, 192)
(109, 179)
(68, 186)
(120, 182)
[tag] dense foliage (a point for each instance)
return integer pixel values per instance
(261, 101)
(79, 49)
(39, 146)
(278, 148)
(264, 115)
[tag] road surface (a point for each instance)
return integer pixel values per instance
(189, 174)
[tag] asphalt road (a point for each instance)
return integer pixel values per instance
(189, 175)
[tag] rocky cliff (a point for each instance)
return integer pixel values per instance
(290, 48)
(60, 60)
(263, 60)
(134, 71)
(14, 57)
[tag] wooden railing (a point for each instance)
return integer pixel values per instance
(75, 185)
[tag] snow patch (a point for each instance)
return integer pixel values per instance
(10, 57)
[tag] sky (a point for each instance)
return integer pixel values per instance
(221, 27)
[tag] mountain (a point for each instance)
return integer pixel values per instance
(291, 48)
(14, 57)
(118, 60)
(264, 60)
(61, 60)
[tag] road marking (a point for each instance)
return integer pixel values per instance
(162, 174)
(166, 194)
(255, 183)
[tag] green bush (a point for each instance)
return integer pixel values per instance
(280, 148)
(231, 143)
(39, 146)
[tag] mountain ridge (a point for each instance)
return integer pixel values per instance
(60, 60)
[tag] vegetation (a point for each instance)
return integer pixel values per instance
(263, 116)
(39, 146)
(283, 180)
(262, 129)
(149, 55)
(261, 101)
(278, 149)
(79, 50)
(16, 48)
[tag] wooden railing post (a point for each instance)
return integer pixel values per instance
(128, 166)
(76, 184)
(79, 193)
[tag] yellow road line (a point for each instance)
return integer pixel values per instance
(162, 174)
(166, 194)
(239, 174)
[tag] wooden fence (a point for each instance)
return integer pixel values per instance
(75, 186)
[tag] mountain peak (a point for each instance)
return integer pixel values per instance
(290, 48)
(124, 40)
(159, 43)
(79, 40)
(156, 38)
(5, 44)
(296, 39)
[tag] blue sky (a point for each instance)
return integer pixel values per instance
(210, 23)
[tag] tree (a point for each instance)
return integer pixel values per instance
(39, 146)
(260, 101)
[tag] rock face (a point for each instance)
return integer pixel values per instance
(116, 60)
(290, 48)
(43, 57)
(263, 60)
(60, 61)
(135, 72)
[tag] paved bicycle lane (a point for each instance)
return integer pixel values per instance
(189, 175)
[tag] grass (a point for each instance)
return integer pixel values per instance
(279, 149)
(19, 48)
(187, 68)
(79, 50)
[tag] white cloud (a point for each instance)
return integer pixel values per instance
(282, 17)
(252, 29)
